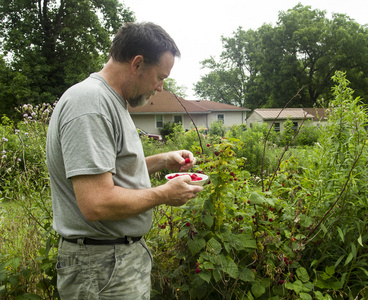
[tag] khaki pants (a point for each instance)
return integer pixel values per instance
(107, 272)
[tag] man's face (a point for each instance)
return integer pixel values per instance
(151, 79)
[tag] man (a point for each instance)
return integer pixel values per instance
(100, 187)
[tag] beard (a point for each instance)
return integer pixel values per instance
(140, 100)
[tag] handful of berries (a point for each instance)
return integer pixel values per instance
(193, 177)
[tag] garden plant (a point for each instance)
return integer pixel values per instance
(269, 224)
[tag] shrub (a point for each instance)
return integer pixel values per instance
(297, 234)
(28, 249)
(297, 231)
(167, 130)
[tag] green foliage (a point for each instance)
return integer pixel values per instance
(298, 234)
(297, 231)
(172, 86)
(217, 129)
(168, 129)
(268, 66)
(308, 135)
(26, 272)
(287, 134)
(50, 45)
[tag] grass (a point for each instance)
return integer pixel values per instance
(20, 236)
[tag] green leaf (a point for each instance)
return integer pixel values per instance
(182, 233)
(305, 296)
(339, 260)
(323, 227)
(232, 269)
(360, 240)
(208, 220)
(246, 275)
(241, 241)
(2, 276)
(13, 280)
(2, 290)
(337, 285)
(349, 258)
(214, 246)
(227, 247)
(353, 249)
(15, 262)
(216, 275)
(296, 286)
(330, 270)
(302, 274)
(256, 198)
(314, 262)
(365, 271)
(257, 289)
(340, 233)
(208, 265)
(319, 296)
(205, 275)
(195, 245)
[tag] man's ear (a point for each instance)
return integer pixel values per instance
(136, 63)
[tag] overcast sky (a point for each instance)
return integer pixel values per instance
(197, 25)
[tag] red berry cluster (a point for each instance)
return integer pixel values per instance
(162, 226)
(287, 261)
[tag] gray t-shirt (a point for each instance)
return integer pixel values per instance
(91, 132)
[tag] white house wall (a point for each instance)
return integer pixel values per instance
(147, 122)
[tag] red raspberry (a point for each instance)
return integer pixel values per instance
(187, 160)
(197, 270)
(188, 224)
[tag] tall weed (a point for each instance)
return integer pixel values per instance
(28, 251)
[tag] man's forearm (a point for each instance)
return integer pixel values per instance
(156, 163)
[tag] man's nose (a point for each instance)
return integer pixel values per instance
(160, 86)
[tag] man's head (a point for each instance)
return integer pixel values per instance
(150, 53)
(146, 39)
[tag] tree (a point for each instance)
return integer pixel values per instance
(172, 86)
(228, 82)
(267, 67)
(53, 44)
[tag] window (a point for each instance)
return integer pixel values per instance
(221, 117)
(276, 126)
(295, 126)
(178, 119)
(159, 121)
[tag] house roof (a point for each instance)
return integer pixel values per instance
(319, 114)
(165, 102)
(273, 113)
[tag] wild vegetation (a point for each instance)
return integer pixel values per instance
(269, 224)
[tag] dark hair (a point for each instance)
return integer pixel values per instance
(146, 39)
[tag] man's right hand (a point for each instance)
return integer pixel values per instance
(180, 191)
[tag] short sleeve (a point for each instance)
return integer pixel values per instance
(88, 145)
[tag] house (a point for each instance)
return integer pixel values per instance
(278, 116)
(165, 107)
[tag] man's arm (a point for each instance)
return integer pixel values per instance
(100, 199)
